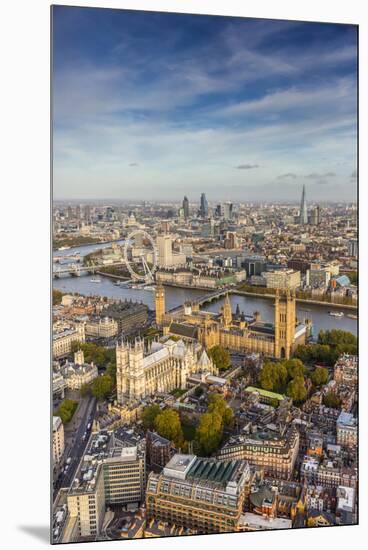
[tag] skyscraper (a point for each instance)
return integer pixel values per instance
(203, 210)
(186, 207)
(228, 210)
(303, 209)
(164, 245)
(315, 216)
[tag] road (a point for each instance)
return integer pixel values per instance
(78, 441)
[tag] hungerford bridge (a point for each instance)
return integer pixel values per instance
(76, 270)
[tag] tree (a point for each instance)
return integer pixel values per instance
(273, 376)
(209, 432)
(149, 415)
(66, 410)
(331, 400)
(319, 376)
(217, 404)
(102, 386)
(57, 296)
(294, 367)
(296, 389)
(228, 417)
(316, 353)
(221, 357)
(168, 425)
(336, 337)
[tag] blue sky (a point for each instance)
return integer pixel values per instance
(154, 106)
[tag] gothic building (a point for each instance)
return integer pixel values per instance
(242, 332)
(161, 367)
(160, 304)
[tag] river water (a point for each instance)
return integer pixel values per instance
(177, 296)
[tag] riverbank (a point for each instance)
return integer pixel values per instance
(90, 243)
(299, 300)
(111, 276)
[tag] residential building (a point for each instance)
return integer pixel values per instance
(159, 450)
(346, 370)
(347, 430)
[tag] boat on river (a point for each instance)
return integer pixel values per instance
(352, 316)
(95, 280)
(336, 313)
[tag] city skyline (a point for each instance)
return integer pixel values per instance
(222, 102)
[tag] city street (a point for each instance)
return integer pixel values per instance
(75, 444)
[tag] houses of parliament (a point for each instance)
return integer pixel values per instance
(236, 331)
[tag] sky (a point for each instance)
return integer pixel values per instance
(156, 106)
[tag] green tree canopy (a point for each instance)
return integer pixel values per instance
(217, 404)
(149, 415)
(320, 376)
(331, 400)
(221, 357)
(102, 387)
(294, 367)
(209, 432)
(316, 353)
(56, 297)
(273, 376)
(296, 389)
(168, 425)
(66, 410)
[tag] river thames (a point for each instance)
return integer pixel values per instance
(177, 296)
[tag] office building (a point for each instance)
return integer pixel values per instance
(228, 210)
(353, 248)
(101, 328)
(111, 472)
(273, 452)
(129, 316)
(282, 279)
(315, 216)
(218, 211)
(200, 494)
(303, 217)
(203, 209)
(254, 264)
(164, 246)
(63, 337)
(186, 207)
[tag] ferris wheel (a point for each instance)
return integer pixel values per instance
(142, 271)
